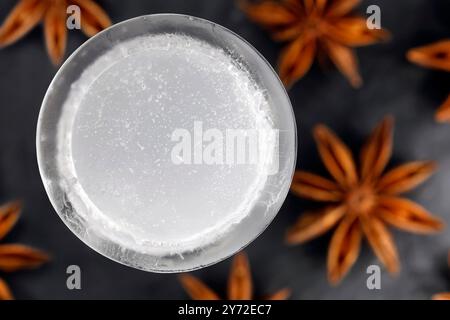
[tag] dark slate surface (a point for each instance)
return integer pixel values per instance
(392, 85)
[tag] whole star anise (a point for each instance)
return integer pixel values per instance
(436, 56)
(14, 257)
(443, 295)
(361, 202)
(310, 26)
(240, 285)
(28, 13)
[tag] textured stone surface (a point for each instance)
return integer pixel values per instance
(392, 85)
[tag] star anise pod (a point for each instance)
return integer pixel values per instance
(14, 257)
(28, 13)
(443, 295)
(435, 56)
(312, 27)
(361, 202)
(240, 285)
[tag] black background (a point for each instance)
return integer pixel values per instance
(392, 86)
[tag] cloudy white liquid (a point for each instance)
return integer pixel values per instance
(116, 141)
